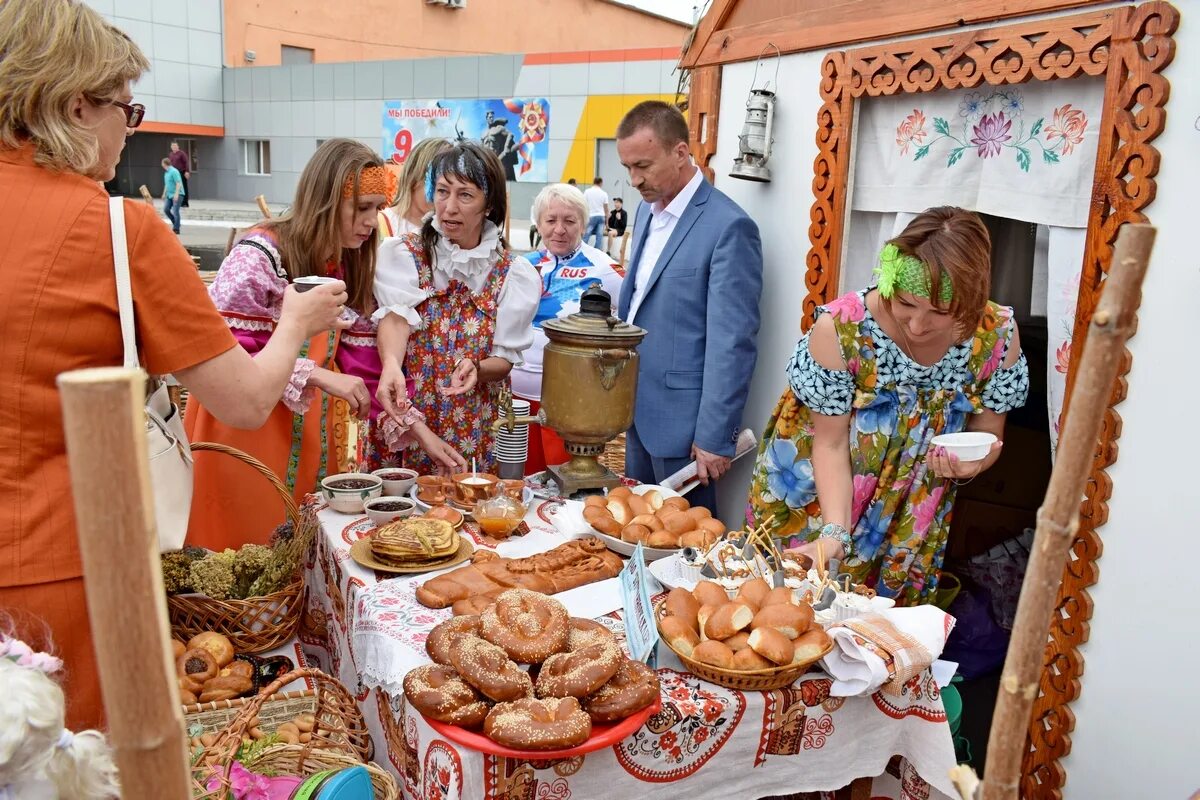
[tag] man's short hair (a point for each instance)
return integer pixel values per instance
(664, 119)
(166, 162)
(597, 180)
(618, 200)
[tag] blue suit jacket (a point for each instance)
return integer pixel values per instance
(700, 312)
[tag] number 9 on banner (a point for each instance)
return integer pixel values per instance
(402, 145)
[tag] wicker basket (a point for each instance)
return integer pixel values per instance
(339, 739)
(256, 624)
(750, 681)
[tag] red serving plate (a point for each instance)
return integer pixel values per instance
(602, 736)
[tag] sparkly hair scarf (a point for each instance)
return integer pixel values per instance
(897, 271)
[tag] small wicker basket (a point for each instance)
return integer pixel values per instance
(339, 739)
(750, 681)
(256, 624)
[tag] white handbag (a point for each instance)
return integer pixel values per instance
(170, 456)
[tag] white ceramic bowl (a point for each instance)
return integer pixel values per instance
(967, 445)
(396, 487)
(349, 500)
(381, 516)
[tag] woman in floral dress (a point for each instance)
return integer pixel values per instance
(846, 458)
(456, 306)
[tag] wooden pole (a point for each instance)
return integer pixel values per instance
(106, 450)
(1057, 520)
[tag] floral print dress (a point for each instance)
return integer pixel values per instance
(900, 516)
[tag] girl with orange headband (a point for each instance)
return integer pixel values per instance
(329, 231)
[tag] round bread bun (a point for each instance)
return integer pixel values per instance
(728, 620)
(654, 499)
(702, 619)
(679, 635)
(649, 520)
(678, 503)
(692, 539)
(679, 523)
(709, 593)
(637, 505)
(215, 643)
(810, 645)
(634, 533)
(739, 641)
(595, 501)
(786, 618)
(663, 539)
(178, 648)
(665, 512)
(746, 659)
(683, 604)
(620, 491)
(780, 594)
(593, 513)
(771, 644)
(620, 510)
(754, 590)
(713, 653)
(608, 526)
(698, 513)
(714, 526)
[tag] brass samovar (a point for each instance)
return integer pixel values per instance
(589, 385)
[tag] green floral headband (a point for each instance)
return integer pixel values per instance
(897, 271)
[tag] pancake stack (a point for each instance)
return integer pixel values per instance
(415, 542)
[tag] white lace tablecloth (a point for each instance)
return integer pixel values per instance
(708, 741)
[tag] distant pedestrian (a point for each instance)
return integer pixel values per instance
(597, 203)
(173, 193)
(570, 182)
(181, 162)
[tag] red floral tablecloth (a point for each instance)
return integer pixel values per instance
(708, 741)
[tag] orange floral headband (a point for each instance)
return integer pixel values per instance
(373, 180)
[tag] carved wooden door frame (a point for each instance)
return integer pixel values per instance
(1129, 46)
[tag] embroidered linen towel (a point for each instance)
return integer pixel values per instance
(886, 649)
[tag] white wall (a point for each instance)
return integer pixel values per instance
(1135, 734)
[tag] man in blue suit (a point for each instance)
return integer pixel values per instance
(693, 283)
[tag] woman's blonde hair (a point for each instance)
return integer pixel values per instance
(565, 193)
(312, 226)
(51, 51)
(415, 168)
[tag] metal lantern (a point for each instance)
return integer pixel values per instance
(754, 143)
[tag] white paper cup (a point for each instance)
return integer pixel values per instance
(306, 282)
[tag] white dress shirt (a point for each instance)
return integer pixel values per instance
(398, 291)
(661, 225)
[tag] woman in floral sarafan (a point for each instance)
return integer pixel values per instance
(846, 459)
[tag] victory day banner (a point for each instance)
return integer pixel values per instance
(516, 130)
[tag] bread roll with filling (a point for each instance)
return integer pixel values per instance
(710, 594)
(746, 659)
(786, 618)
(809, 645)
(739, 641)
(679, 635)
(780, 594)
(663, 539)
(771, 644)
(683, 604)
(728, 620)
(754, 590)
(634, 533)
(649, 520)
(713, 653)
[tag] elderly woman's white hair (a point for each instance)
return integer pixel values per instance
(563, 192)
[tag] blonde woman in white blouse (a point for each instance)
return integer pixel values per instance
(456, 307)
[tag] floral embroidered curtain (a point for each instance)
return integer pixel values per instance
(1025, 152)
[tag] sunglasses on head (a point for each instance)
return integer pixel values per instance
(133, 113)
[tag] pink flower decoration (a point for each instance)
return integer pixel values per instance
(1063, 358)
(1068, 125)
(993, 361)
(847, 308)
(911, 131)
(924, 511)
(864, 489)
(991, 132)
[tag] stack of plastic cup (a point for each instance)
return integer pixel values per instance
(511, 449)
